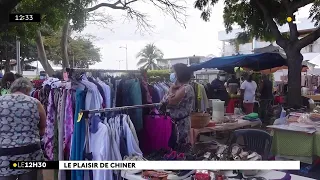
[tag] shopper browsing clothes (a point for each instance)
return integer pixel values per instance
(180, 100)
(23, 120)
(248, 91)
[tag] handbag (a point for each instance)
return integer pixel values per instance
(156, 132)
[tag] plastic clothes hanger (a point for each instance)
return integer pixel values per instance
(94, 123)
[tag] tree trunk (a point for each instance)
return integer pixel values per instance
(7, 63)
(64, 45)
(7, 66)
(42, 55)
(294, 58)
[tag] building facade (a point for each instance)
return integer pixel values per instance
(189, 60)
(229, 47)
(310, 52)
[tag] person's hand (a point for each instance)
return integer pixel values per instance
(171, 95)
(175, 87)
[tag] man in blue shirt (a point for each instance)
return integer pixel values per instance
(219, 89)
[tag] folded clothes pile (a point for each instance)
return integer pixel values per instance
(251, 117)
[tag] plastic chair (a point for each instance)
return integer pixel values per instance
(254, 140)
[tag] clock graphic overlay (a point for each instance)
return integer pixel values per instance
(26, 17)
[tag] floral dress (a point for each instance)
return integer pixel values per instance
(180, 114)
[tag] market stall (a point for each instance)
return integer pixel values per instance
(297, 137)
(229, 127)
(255, 62)
(265, 174)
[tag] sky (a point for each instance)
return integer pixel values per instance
(198, 38)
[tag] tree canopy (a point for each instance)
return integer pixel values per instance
(81, 50)
(261, 19)
(6, 6)
(148, 56)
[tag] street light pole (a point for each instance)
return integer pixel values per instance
(18, 55)
(119, 64)
(126, 47)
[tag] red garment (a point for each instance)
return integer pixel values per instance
(146, 96)
(278, 100)
(37, 83)
(248, 107)
(36, 94)
(231, 105)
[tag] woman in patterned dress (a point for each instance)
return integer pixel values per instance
(180, 100)
(22, 122)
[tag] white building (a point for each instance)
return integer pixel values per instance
(204, 75)
(169, 62)
(310, 52)
(34, 73)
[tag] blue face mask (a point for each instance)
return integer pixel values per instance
(173, 77)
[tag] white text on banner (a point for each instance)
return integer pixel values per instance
(181, 165)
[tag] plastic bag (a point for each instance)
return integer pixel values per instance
(304, 118)
(280, 121)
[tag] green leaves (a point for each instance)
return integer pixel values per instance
(148, 56)
(82, 51)
(249, 16)
(315, 12)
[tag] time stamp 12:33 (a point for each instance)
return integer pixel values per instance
(25, 17)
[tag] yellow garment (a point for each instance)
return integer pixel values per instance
(204, 98)
(199, 95)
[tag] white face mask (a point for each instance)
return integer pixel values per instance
(222, 78)
(173, 77)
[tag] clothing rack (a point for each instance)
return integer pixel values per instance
(87, 112)
(102, 70)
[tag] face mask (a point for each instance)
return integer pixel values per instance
(222, 78)
(173, 77)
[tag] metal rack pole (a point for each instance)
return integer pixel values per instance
(120, 108)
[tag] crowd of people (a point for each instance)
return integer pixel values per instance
(24, 119)
(222, 88)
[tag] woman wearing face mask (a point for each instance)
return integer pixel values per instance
(180, 100)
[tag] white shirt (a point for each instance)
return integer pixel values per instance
(101, 150)
(249, 91)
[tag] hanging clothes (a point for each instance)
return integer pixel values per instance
(49, 132)
(94, 99)
(78, 135)
(68, 124)
(100, 148)
(201, 103)
(131, 94)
